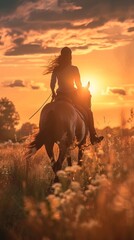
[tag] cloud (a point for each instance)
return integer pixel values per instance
(19, 40)
(131, 29)
(38, 26)
(126, 90)
(119, 91)
(8, 6)
(29, 49)
(15, 83)
(23, 84)
(35, 87)
(38, 11)
(1, 43)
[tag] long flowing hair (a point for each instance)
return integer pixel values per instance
(61, 61)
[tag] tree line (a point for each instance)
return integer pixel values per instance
(9, 120)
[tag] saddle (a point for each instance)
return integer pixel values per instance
(79, 109)
(63, 98)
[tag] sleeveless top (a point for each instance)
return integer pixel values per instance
(66, 78)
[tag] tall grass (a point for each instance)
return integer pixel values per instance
(95, 201)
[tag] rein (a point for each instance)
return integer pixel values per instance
(41, 106)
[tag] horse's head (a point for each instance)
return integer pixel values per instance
(85, 96)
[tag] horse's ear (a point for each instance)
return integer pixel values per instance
(88, 85)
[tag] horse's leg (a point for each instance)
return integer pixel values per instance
(81, 150)
(58, 164)
(69, 161)
(63, 150)
(80, 154)
(49, 149)
(64, 145)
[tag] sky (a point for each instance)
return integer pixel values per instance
(100, 34)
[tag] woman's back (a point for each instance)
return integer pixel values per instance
(66, 77)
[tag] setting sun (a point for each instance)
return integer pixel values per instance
(95, 87)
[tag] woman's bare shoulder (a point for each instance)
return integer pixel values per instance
(74, 67)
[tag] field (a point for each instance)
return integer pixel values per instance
(95, 201)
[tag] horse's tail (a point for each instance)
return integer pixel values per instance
(36, 144)
(43, 135)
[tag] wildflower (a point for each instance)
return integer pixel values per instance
(61, 174)
(109, 135)
(57, 188)
(91, 191)
(75, 186)
(73, 169)
(30, 207)
(100, 152)
(56, 215)
(43, 208)
(69, 195)
(54, 202)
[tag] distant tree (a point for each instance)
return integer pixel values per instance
(26, 130)
(9, 118)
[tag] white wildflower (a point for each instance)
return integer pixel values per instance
(75, 186)
(61, 174)
(57, 188)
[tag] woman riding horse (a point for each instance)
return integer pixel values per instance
(68, 76)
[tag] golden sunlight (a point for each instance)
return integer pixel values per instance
(95, 87)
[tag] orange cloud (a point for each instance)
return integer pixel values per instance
(119, 91)
(43, 27)
(25, 85)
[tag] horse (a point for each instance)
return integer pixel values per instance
(62, 123)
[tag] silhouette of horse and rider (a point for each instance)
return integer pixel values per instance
(68, 118)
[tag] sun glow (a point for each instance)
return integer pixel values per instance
(94, 87)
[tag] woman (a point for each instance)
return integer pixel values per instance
(67, 77)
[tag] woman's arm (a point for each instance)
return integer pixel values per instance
(77, 78)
